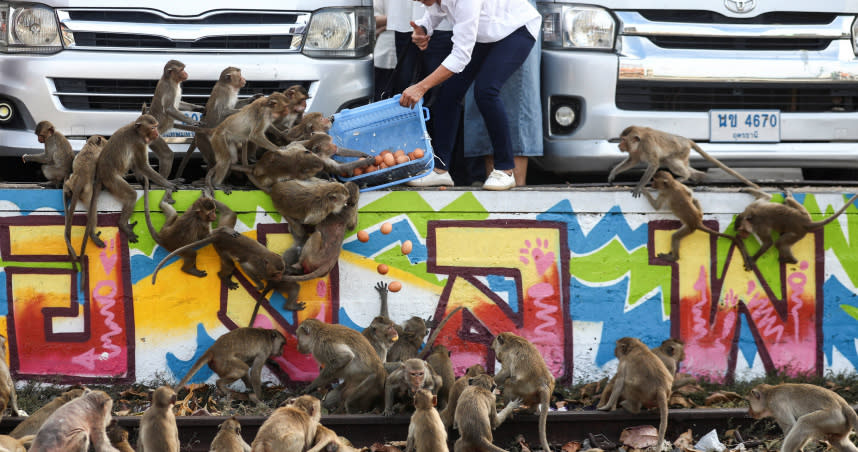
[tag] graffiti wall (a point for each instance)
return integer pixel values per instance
(572, 271)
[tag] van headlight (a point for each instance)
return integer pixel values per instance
(855, 36)
(577, 27)
(28, 28)
(340, 32)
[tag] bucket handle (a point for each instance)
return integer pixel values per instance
(425, 114)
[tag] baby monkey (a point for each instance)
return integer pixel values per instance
(682, 203)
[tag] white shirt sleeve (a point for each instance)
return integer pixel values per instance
(430, 20)
(466, 21)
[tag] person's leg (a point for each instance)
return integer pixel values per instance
(504, 57)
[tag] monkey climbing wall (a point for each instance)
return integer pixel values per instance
(572, 271)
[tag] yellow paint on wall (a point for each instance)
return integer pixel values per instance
(48, 239)
(46, 290)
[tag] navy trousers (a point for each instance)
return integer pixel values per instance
(490, 66)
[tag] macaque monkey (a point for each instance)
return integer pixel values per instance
(343, 354)
(401, 384)
(263, 266)
(642, 380)
(323, 145)
(296, 161)
(790, 219)
(524, 375)
(476, 415)
(10, 444)
(440, 362)
(661, 149)
(456, 391)
(193, 225)
(57, 159)
(248, 125)
(291, 428)
(426, 432)
(158, 430)
(308, 202)
(310, 123)
(165, 108)
(118, 437)
(382, 332)
(671, 352)
(411, 339)
(805, 412)
(240, 353)
(223, 101)
(8, 395)
(327, 440)
(32, 423)
(79, 185)
(686, 207)
(297, 96)
(73, 426)
(228, 438)
(125, 150)
(317, 256)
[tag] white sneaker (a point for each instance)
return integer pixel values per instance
(499, 180)
(434, 179)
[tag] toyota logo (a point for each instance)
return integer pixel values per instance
(740, 6)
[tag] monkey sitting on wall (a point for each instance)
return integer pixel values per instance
(805, 412)
(58, 156)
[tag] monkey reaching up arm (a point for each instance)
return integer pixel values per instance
(790, 219)
(805, 412)
(682, 203)
(382, 333)
(661, 149)
(58, 156)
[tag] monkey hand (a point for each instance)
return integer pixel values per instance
(381, 287)
(636, 192)
(515, 404)
(25, 157)
(387, 412)
(230, 284)
(290, 305)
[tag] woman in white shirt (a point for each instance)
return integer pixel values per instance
(491, 39)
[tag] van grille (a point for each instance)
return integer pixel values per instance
(129, 95)
(213, 31)
(710, 43)
(711, 17)
(689, 97)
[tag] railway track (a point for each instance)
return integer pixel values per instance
(197, 432)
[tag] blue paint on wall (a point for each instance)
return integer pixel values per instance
(839, 328)
(612, 226)
(179, 368)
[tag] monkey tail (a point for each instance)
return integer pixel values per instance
(429, 342)
(148, 214)
(819, 224)
(200, 242)
(544, 403)
(69, 204)
(198, 364)
(91, 216)
(662, 411)
(487, 445)
(26, 441)
(724, 167)
(317, 273)
(186, 158)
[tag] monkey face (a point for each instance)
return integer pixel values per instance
(416, 377)
(757, 406)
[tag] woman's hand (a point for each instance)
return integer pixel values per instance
(412, 95)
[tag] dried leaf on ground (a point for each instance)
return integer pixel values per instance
(591, 389)
(678, 400)
(572, 446)
(378, 447)
(690, 389)
(685, 441)
(723, 397)
(134, 393)
(639, 437)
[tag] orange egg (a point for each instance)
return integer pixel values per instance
(406, 247)
(418, 153)
(363, 236)
(370, 169)
(378, 159)
(382, 166)
(389, 159)
(442, 188)
(386, 228)
(385, 152)
(401, 159)
(357, 171)
(398, 153)
(383, 269)
(395, 286)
